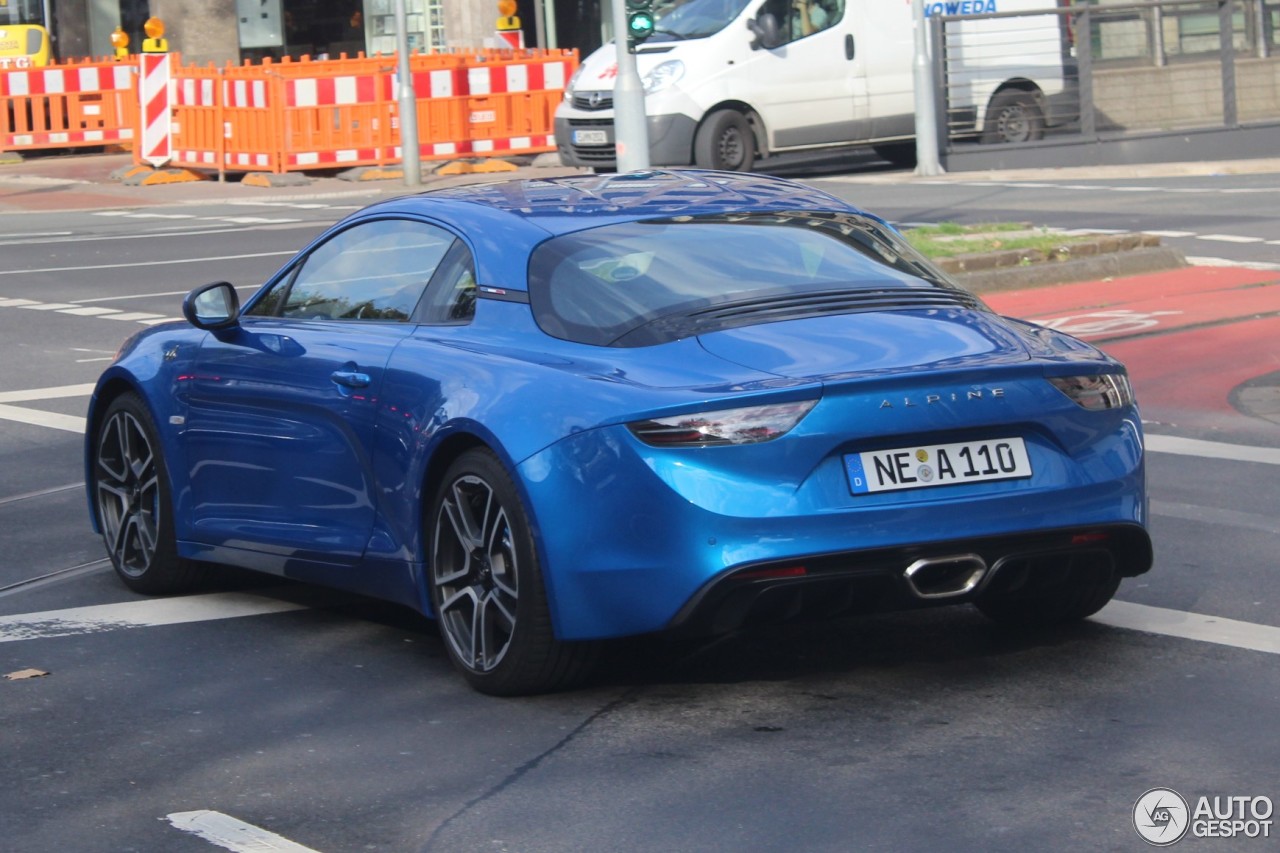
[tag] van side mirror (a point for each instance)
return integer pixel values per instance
(212, 306)
(765, 29)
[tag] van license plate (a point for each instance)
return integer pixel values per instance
(937, 465)
(590, 137)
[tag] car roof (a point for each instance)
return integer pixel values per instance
(561, 205)
(508, 219)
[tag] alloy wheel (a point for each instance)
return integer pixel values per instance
(475, 571)
(127, 486)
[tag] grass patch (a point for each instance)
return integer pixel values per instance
(948, 239)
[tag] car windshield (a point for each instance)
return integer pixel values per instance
(694, 19)
(642, 283)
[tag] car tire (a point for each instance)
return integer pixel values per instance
(132, 498)
(487, 589)
(1013, 116)
(725, 143)
(1086, 589)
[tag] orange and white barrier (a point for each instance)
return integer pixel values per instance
(512, 104)
(291, 115)
(67, 106)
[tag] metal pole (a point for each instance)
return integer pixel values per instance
(539, 24)
(549, 21)
(1227, 46)
(408, 101)
(925, 100)
(630, 127)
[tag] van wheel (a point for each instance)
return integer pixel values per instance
(1013, 116)
(725, 142)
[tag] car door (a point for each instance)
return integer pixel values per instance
(810, 89)
(282, 409)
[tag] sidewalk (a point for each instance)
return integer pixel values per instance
(42, 184)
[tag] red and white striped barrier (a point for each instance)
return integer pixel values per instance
(155, 110)
(504, 79)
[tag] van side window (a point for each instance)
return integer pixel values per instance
(800, 18)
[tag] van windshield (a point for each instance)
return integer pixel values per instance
(694, 19)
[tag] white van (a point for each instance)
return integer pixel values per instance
(728, 81)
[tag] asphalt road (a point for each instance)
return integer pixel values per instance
(337, 722)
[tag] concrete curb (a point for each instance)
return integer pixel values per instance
(1091, 268)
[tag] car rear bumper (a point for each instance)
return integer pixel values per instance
(632, 544)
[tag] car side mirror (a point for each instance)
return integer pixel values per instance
(212, 306)
(765, 29)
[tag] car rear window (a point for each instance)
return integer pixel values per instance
(644, 283)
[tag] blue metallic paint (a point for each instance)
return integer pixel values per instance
(278, 468)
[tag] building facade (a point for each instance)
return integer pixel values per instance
(221, 31)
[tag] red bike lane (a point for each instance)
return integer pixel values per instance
(1202, 344)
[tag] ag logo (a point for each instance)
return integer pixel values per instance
(1161, 817)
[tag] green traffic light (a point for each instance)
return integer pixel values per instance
(640, 25)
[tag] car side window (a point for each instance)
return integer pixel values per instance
(373, 271)
(451, 295)
(799, 18)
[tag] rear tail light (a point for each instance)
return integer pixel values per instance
(772, 574)
(749, 425)
(1104, 391)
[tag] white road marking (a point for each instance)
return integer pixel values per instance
(132, 315)
(251, 220)
(233, 834)
(147, 613)
(146, 318)
(1224, 262)
(54, 393)
(169, 231)
(132, 296)
(88, 311)
(40, 493)
(91, 360)
(1228, 238)
(1171, 233)
(1191, 626)
(35, 417)
(150, 263)
(1211, 449)
(155, 612)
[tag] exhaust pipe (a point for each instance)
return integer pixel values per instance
(945, 577)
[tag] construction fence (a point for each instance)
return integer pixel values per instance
(297, 115)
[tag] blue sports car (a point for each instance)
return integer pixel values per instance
(550, 412)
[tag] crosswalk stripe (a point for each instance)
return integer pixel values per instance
(147, 613)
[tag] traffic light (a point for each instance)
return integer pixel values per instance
(640, 22)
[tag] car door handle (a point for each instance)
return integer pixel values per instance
(350, 378)
(848, 46)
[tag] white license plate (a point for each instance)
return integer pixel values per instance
(937, 465)
(590, 137)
